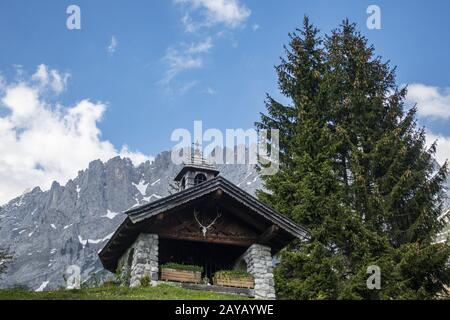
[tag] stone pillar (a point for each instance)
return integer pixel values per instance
(145, 259)
(259, 264)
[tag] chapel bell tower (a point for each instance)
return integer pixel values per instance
(196, 171)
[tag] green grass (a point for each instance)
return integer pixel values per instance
(161, 292)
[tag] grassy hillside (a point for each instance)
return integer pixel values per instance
(161, 292)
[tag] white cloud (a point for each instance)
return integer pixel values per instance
(50, 79)
(189, 25)
(229, 12)
(185, 57)
(201, 47)
(199, 14)
(185, 87)
(443, 146)
(135, 157)
(2, 82)
(431, 101)
(112, 45)
(210, 91)
(178, 62)
(41, 142)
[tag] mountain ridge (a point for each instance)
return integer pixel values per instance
(48, 231)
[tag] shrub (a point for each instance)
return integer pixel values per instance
(187, 267)
(145, 281)
(123, 275)
(232, 274)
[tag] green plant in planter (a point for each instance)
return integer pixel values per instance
(235, 274)
(179, 266)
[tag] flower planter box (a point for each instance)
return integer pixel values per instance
(169, 274)
(236, 282)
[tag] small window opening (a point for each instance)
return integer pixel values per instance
(199, 178)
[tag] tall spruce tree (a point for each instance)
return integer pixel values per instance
(355, 171)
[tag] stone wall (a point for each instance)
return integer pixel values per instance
(259, 264)
(140, 260)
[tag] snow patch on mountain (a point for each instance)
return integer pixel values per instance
(142, 187)
(111, 215)
(152, 197)
(157, 181)
(96, 241)
(42, 286)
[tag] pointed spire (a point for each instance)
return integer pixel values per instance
(197, 156)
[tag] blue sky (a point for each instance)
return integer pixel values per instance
(175, 61)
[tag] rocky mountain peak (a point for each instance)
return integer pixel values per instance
(48, 231)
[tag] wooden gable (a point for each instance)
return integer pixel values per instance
(182, 225)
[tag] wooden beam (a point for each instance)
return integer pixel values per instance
(132, 226)
(245, 216)
(237, 241)
(269, 234)
(218, 194)
(161, 216)
(182, 225)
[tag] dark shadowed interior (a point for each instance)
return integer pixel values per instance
(211, 256)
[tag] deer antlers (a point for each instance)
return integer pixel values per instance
(206, 228)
